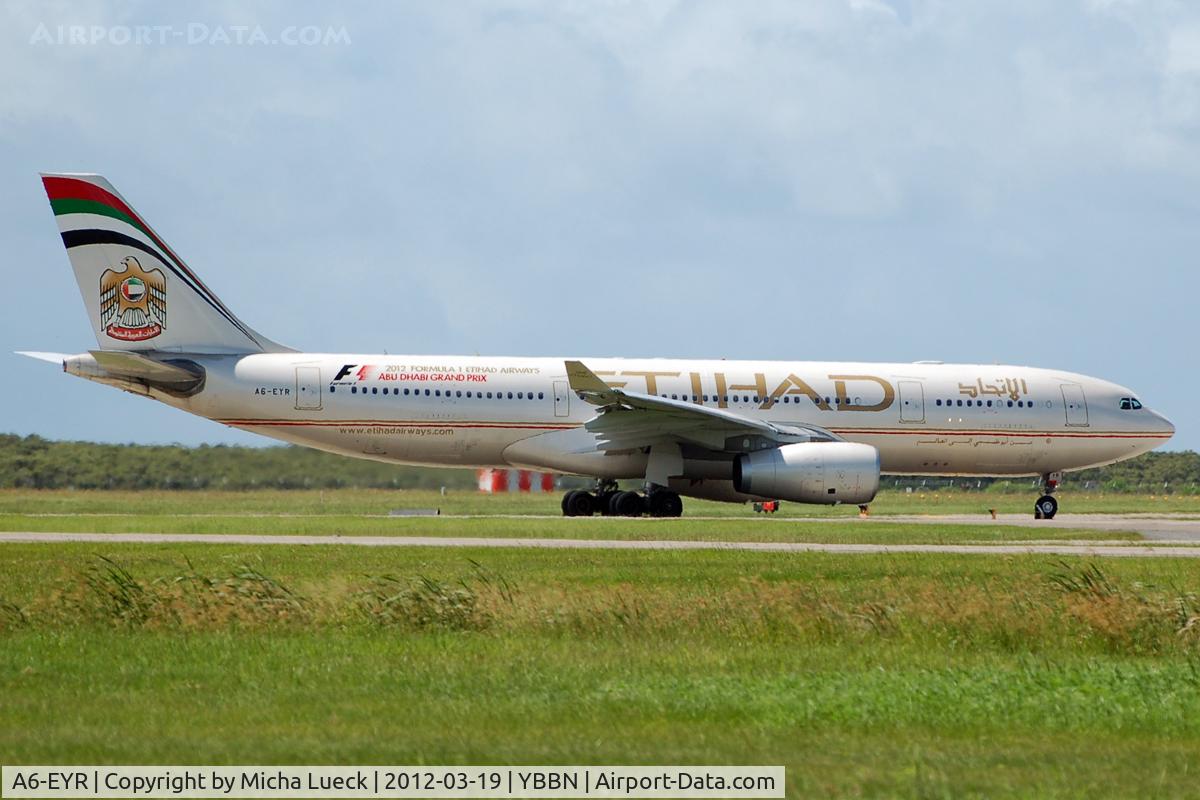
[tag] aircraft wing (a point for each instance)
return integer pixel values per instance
(631, 420)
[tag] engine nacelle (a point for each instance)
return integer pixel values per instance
(810, 472)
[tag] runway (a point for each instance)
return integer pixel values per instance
(1174, 527)
(1090, 549)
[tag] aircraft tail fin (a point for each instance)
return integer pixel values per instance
(139, 294)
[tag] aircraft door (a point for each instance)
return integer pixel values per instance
(562, 399)
(912, 401)
(308, 388)
(1075, 405)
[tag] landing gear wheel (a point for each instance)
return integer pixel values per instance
(604, 503)
(578, 503)
(665, 504)
(1045, 508)
(628, 504)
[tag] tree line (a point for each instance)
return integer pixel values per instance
(32, 462)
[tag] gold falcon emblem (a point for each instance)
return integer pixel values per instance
(133, 302)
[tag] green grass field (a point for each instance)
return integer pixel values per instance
(357, 502)
(866, 675)
(365, 512)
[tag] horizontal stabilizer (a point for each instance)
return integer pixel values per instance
(53, 358)
(127, 364)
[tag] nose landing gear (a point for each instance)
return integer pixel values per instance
(1046, 506)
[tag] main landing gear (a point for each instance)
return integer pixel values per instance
(1046, 506)
(610, 501)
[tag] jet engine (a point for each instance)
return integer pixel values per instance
(810, 472)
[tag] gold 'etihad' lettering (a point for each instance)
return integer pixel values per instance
(722, 390)
(839, 388)
(790, 385)
(651, 378)
(614, 384)
(794, 385)
(759, 387)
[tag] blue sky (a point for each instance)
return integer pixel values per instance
(1009, 182)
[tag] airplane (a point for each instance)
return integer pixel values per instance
(737, 431)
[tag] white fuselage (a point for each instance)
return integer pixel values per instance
(924, 418)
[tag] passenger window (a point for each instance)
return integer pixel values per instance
(353, 390)
(541, 396)
(960, 403)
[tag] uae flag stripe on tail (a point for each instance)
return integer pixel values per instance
(71, 206)
(59, 188)
(75, 196)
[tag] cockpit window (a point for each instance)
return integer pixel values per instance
(1130, 404)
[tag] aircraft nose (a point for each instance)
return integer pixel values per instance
(1167, 426)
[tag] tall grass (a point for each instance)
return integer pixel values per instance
(1079, 604)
